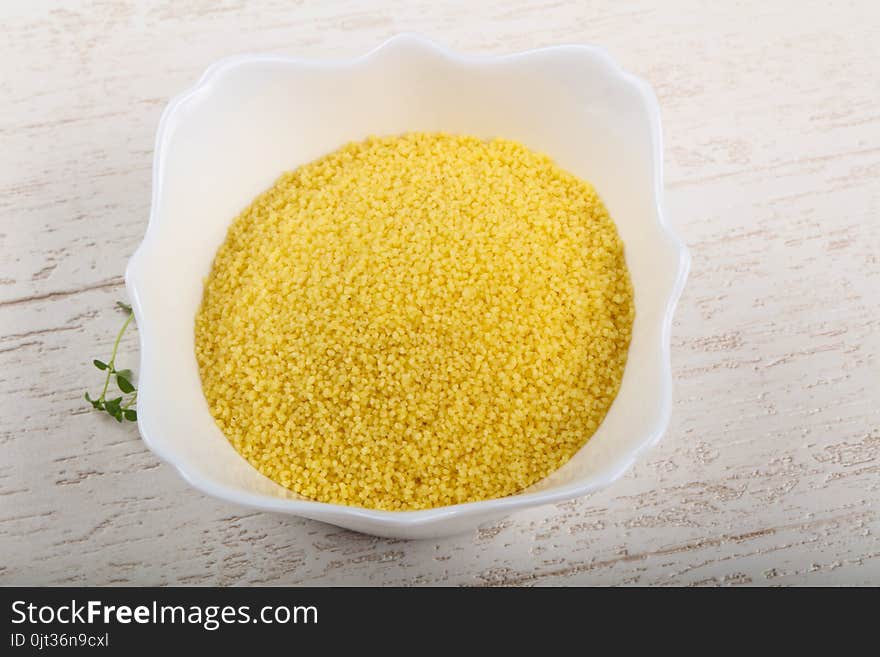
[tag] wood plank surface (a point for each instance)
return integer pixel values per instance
(770, 471)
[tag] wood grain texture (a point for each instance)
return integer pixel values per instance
(770, 471)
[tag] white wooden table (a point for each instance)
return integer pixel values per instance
(770, 472)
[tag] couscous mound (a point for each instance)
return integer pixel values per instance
(416, 321)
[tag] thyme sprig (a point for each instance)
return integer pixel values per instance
(120, 408)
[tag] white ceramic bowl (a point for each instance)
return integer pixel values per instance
(249, 118)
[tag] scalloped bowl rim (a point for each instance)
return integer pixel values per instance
(403, 520)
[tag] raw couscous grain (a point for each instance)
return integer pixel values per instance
(416, 321)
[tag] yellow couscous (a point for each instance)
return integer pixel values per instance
(416, 321)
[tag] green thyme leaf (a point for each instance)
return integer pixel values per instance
(124, 384)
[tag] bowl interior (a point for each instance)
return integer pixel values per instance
(251, 119)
